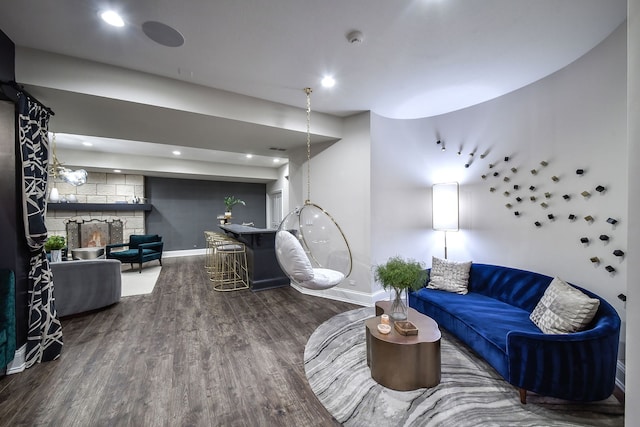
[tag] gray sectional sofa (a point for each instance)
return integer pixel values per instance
(85, 285)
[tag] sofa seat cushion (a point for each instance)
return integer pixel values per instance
(480, 321)
(133, 253)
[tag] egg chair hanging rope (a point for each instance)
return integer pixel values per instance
(308, 91)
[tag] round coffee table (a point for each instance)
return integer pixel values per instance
(402, 362)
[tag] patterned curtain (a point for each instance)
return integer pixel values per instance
(44, 338)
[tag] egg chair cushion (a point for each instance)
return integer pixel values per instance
(292, 257)
(323, 278)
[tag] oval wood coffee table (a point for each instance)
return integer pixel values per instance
(402, 362)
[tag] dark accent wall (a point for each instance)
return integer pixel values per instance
(183, 209)
(14, 253)
(7, 58)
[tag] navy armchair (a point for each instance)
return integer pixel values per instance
(142, 248)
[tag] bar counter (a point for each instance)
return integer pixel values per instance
(264, 270)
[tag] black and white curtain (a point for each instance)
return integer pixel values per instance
(44, 338)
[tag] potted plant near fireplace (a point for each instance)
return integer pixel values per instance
(55, 244)
(400, 275)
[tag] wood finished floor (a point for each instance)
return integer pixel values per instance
(184, 355)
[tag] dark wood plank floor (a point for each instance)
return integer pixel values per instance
(184, 355)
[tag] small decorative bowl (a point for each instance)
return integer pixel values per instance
(384, 329)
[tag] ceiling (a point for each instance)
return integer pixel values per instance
(417, 58)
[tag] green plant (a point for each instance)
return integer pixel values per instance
(398, 274)
(54, 243)
(231, 201)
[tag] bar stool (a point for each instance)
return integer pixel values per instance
(228, 264)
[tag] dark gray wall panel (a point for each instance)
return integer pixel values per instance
(183, 209)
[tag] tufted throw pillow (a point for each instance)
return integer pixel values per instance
(563, 309)
(450, 276)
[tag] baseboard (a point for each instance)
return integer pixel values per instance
(19, 362)
(186, 252)
(344, 295)
(620, 375)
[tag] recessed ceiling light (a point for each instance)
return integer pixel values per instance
(117, 170)
(87, 144)
(276, 160)
(328, 81)
(112, 18)
(249, 156)
(176, 152)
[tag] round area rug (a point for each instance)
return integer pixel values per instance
(471, 392)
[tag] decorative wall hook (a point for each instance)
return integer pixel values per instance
(537, 224)
(579, 171)
(508, 205)
(496, 173)
(566, 197)
(588, 218)
(604, 237)
(595, 260)
(600, 188)
(506, 159)
(610, 269)
(618, 252)
(585, 194)
(547, 195)
(506, 193)
(491, 165)
(514, 170)
(518, 199)
(612, 221)
(544, 205)
(506, 179)
(551, 217)
(572, 217)
(516, 187)
(516, 213)
(555, 178)
(484, 176)
(544, 163)
(584, 240)
(533, 198)
(534, 172)
(492, 189)
(532, 188)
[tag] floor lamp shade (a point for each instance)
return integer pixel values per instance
(445, 206)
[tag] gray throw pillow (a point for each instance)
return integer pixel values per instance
(450, 276)
(563, 309)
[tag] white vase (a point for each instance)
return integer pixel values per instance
(54, 195)
(56, 255)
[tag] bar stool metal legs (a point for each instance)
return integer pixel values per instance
(226, 263)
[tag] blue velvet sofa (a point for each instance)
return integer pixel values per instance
(493, 319)
(7, 317)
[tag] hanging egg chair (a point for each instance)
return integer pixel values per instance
(310, 246)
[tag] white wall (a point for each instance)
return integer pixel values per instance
(575, 118)
(632, 384)
(340, 184)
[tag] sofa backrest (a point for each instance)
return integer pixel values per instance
(524, 289)
(516, 287)
(137, 239)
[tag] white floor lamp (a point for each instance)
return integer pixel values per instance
(445, 207)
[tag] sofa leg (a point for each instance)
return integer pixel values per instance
(523, 396)
(140, 268)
